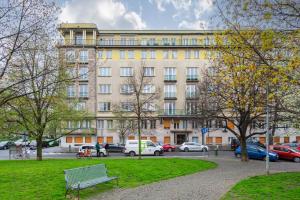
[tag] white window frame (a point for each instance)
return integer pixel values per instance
(126, 71)
(108, 54)
(104, 106)
(122, 54)
(71, 91)
(105, 71)
(130, 54)
(83, 90)
(170, 90)
(105, 88)
(149, 71)
(83, 72)
(84, 56)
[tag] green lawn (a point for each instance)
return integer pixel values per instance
(279, 186)
(45, 179)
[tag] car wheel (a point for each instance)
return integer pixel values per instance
(264, 158)
(170, 149)
(297, 160)
(156, 153)
(204, 149)
(132, 153)
(186, 149)
(238, 155)
(101, 154)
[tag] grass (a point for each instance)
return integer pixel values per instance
(45, 179)
(279, 186)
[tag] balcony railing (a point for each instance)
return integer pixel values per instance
(191, 95)
(192, 78)
(156, 43)
(170, 94)
(176, 112)
(170, 78)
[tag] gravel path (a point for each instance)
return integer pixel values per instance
(206, 185)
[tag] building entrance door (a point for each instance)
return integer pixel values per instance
(181, 138)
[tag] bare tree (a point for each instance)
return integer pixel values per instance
(44, 106)
(142, 99)
(19, 22)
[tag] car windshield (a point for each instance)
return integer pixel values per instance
(3, 142)
(260, 148)
(294, 150)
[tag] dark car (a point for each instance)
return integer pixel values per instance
(116, 148)
(6, 144)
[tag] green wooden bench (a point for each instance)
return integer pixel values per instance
(84, 177)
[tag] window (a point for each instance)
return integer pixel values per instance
(100, 124)
(167, 125)
(105, 88)
(84, 56)
(123, 41)
(109, 124)
(152, 54)
(194, 41)
(81, 106)
(151, 41)
(104, 106)
(196, 54)
(165, 41)
(84, 124)
(130, 54)
(144, 54)
(173, 41)
(185, 41)
(190, 91)
(131, 41)
(122, 54)
(148, 89)
(78, 39)
(105, 71)
(126, 71)
(71, 91)
(126, 89)
(71, 71)
(149, 107)
(191, 108)
(206, 41)
(126, 106)
(153, 124)
(83, 90)
(144, 41)
(108, 54)
(174, 54)
(83, 73)
(166, 54)
(169, 108)
(88, 139)
(148, 71)
(100, 54)
(170, 91)
(70, 56)
(192, 73)
(69, 139)
(144, 124)
(176, 124)
(187, 54)
(110, 41)
(170, 73)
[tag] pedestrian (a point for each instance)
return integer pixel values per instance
(107, 149)
(98, 149)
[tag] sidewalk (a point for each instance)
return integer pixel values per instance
(206, 185)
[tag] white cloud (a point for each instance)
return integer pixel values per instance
(197, 25)
(107, 14)
(177, 4)
(201, 7)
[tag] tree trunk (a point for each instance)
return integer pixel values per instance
(139, 137)
(39, 148)
(244, 154)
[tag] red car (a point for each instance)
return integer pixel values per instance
(285, 152)
(168, 147)
(293, 145)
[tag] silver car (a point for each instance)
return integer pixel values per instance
(193, 146)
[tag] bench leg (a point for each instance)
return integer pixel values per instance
(66, 193)
(78, 194)
(117, 179)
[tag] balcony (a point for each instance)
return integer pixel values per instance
(176, 112)
(192, 78)
(75, 130)
(131, 43)
(170, 96)
(170, 78)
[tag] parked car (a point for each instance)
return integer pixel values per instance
(293, 145)
(257, 152)
(5, 145)
(22, 142)
(168, 147)
(148, 148)
(193, 146)
(287, 153)
(93, 150)
(116, 148)
(32, 144)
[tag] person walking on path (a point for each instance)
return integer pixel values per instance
(107, 149)
(98, 149)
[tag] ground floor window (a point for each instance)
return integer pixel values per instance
(100, 140)
(209, 140)
(262, 140)
(143, 137)
(286, 139)
(298, 139)
(195, 139)
(167, 140)
(109, 139)
(69, 139)
(167, 124)
(78, 139)
(88, 139)
(276, 140)
(153, 139)
(131, 137)
(218, 140)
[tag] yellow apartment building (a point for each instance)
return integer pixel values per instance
(174, 59)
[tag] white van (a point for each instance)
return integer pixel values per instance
(148, 148)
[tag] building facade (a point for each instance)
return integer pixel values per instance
(104, 59)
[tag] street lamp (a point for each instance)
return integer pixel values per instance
(267, 132)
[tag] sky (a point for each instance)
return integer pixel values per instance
(139, 14)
